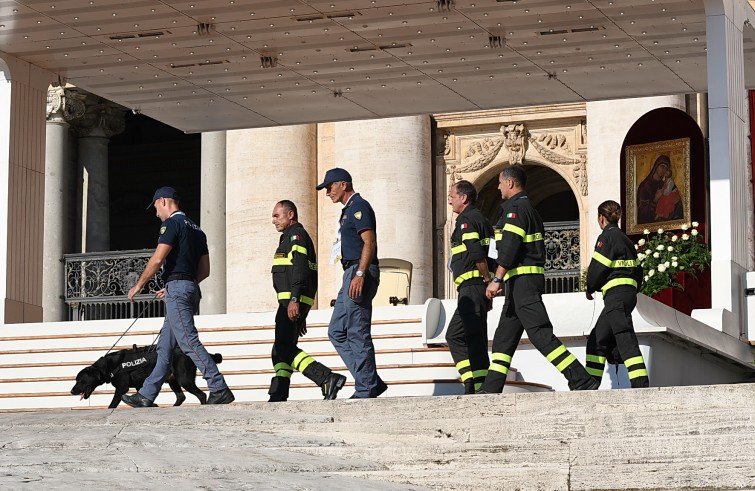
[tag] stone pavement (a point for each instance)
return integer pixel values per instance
(668, 438)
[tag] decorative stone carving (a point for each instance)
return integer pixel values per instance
(514, 138)
(89, 115)
(480, 153)
(63, 105)
(555, 149)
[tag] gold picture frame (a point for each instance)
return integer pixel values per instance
(657, 186)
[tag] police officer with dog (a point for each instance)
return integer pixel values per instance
(182, 252)
(520, 243)
(295, 282)
(616, 272)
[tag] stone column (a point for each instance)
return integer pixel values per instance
(728, 130)
(213, 219)
(100, 121)
(391, 164)
(60, 108)
(264, 166)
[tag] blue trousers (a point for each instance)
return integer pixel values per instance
(181, 301)
(349, 331)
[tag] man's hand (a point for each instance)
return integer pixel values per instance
(355, 288)
(493, 290)
(588, 295)
(302, 327)
(160, 294)
(136, 290)
(293, 311)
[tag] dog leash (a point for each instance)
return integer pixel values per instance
(132, 324)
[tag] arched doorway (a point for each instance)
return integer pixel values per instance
(554, 200)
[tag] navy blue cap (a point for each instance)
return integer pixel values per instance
(334, 175)
(163, 192)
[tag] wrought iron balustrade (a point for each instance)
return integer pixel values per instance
(562, 257)
(97, 285)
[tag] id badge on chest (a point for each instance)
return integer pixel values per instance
(335, 252)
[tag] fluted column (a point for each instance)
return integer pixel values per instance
(391, 164)
(213, 219)
(263, 167)
(59, 107)
(100, 121)
(728, 130)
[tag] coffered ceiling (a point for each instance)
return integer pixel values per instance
(204, 65)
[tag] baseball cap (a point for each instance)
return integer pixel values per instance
(163, 192)
(334, 175)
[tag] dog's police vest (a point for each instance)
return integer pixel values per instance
(133, 360)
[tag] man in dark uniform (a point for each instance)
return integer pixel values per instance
(182, 252)
(615, 270)
(467, 334)
(521, 261)
(295, 282)
(350, 325)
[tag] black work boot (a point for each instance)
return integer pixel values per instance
(279, 389)
(332, 385)
(579, 379)
(224, 396)
(137, 400)
(469, 387)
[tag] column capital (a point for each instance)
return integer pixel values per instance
(63, 105)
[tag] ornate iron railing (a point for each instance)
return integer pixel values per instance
(97, 285)
(562, 257)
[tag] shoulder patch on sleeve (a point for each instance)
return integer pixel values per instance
(600, 244)
(511, 215)
(358, 215)
(295, 238)
(162, 230)
(464, 225)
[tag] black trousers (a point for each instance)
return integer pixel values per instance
(467, 335)
(288, 357)
(523, 310)
(613, 338)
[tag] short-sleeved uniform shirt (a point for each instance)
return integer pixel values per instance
(356, 217)
(188, 241)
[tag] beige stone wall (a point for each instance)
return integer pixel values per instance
(263, 167)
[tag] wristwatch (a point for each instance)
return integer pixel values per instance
(360, 273)
(294, 299)
(496, 279)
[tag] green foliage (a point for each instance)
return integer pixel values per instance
(663, 254)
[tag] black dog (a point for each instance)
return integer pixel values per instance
(130, 368)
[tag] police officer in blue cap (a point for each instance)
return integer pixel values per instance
(182, 252)
(350, 325)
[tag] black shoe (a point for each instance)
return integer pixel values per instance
(591, 385)
(381, 387)
(224, 396)
(332, 385)
(137, 400)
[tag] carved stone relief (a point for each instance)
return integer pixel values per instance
(555, 148)
(514, 138)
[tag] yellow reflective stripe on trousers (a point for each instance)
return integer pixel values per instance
(638, 373)
(469, 236)
(595, 372)
(302, 361)
(466, 376)
(618, 263)
(501, 357)
(480, 373)
(282, 261)
(283, 373)
(465, 276)
(568, 361)
(458, 249)
(462, 364)
(636, 360)
(617, 282)
(524, 270)
(283, 366)
(303, 299)
(495, 367)
(510, 227)
(554, 354)
(596, 359)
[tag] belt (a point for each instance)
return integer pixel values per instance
(180, 276)
(347, 264)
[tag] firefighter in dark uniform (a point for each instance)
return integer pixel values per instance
(521, 260)
(616, 272)
(295, 282)
(467, 334)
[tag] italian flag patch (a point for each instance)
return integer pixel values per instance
(295, 237)
(464, 225)
(511, 215)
